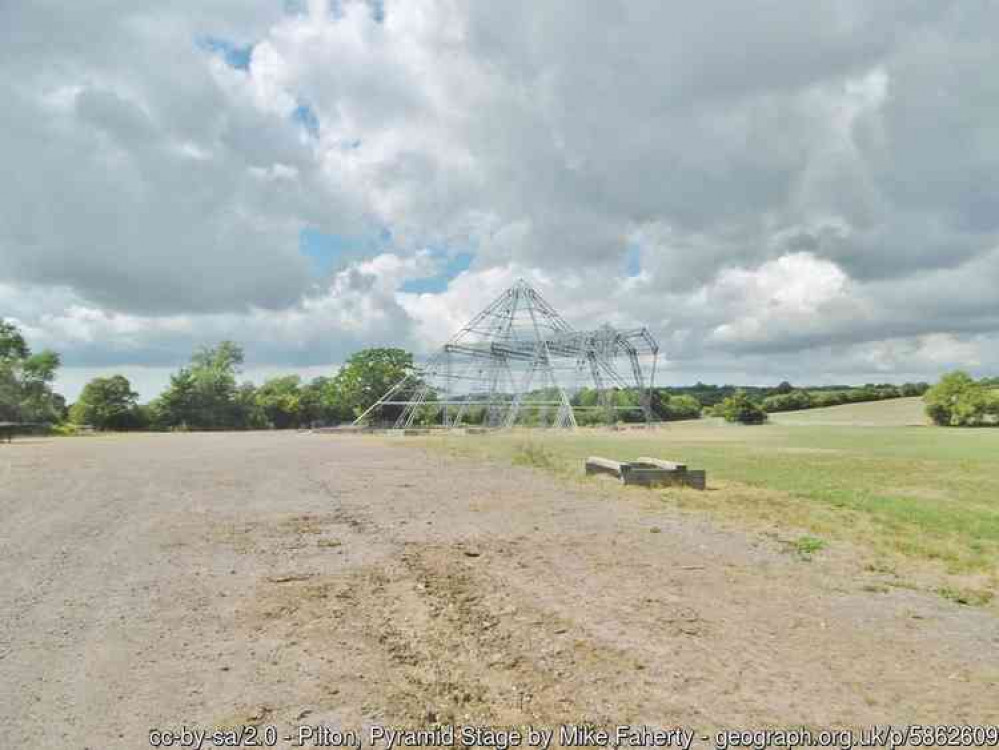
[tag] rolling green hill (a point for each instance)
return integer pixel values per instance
(896, 412)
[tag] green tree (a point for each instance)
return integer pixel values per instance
(367, 376)
(958, 401)
(251, 415)
(679, 407)
(915, 389)
(740, 408)
(281, 401)
(26, 393)
(788, 401)
(108, 404)
(204, 395)
(13, 347)
(177, 406)
(322, 403)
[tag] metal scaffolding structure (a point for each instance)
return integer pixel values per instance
(519, 362)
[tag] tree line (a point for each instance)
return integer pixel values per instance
(204, 394)
(753, 405)
(802, 397)
(207, 394)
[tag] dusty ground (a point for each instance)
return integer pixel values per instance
(164, 580)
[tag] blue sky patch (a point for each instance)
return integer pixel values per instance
(305, 116)
(329, 251)
(236, 56)
(633, 261)
(436, 284)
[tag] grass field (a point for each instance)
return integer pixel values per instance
(896, 412)
(924, 493)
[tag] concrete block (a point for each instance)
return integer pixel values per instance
(598, 465)
(660, 464)
(696, 478)
(648, 477)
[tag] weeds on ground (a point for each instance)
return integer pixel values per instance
(806, 546)
(802, 548)
(536, 455)
(968, 597)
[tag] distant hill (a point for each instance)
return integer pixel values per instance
(896, 412)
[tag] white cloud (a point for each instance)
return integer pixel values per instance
(784, 297)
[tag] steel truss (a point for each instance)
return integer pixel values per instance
(518, 362)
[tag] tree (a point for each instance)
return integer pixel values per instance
(108, 404)
(26, 393)
(681, 407)
(251, 416)
(740, 408)
(915, 389)
(789, 401)
(214, 371)
(280, 399)
(177, 406)
(322, 403)
(367, 376)
(204, 394)
(958, 401)
(12, 344)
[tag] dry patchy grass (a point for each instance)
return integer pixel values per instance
(926, 494)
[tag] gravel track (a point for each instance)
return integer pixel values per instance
(157, 581)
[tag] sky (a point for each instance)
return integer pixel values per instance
(777, 192)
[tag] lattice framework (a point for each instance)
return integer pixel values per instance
(519, 361)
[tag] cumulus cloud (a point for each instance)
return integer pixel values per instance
(765, 188)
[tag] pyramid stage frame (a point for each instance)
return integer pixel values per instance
(519, 362)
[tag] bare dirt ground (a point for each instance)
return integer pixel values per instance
(167, 580)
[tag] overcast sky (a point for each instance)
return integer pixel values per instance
(778, 189)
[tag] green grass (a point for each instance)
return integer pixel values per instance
(922, 492)
(806, 546)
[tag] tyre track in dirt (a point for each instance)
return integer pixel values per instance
(288, 578)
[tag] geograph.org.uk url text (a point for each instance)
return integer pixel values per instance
(881, 736)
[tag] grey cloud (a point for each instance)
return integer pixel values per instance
(142, 184)
(719, 137)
